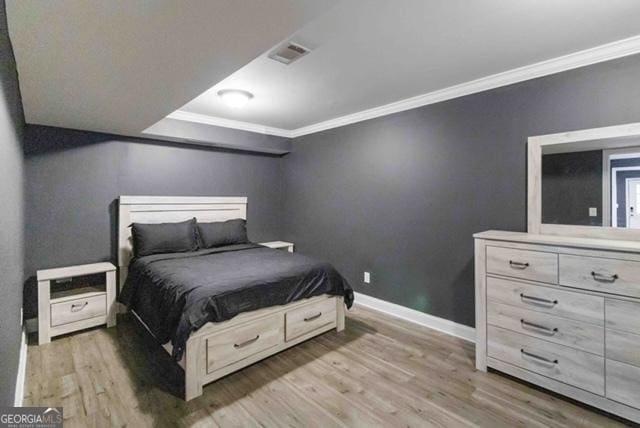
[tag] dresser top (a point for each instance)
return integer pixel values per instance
(565, 241)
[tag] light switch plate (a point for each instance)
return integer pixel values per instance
(367, 278)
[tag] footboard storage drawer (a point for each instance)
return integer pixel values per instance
(600, 274)
(78, 310)
(561, 363)
(224, 348)
(310, 317)
(562, 331)
(525, 264)
(623, 383)
(548, 300)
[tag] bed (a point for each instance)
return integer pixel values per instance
(220, 309)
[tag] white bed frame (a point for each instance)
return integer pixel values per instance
(218, 349)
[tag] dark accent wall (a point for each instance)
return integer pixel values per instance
(11, 216)
(571, 184)
(74, 179)
(401, 195)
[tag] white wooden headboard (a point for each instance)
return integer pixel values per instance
(162, 209)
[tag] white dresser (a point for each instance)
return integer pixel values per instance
(563, 313)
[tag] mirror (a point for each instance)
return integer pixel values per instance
(591, 183)
(583, 184)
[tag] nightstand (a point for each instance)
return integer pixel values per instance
(280, 245)
(74, 298)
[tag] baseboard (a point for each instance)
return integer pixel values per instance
(22, 370)
(443, 325)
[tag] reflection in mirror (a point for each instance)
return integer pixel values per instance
(594, 183)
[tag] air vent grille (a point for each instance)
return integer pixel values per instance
(289, 53)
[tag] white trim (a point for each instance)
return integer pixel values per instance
(606, 52)
(443, 325)
(205, 119)
(22, 371)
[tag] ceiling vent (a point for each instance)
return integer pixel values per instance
(289, 53)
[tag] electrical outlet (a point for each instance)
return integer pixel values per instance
(367, 278)
(593, 212)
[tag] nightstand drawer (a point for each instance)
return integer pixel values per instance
(78, 309)
(525, 264)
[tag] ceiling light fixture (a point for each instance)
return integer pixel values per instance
(235, 98)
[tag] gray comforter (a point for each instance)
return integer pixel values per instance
(177, 293)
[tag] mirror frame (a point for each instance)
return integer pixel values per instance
(534, 183)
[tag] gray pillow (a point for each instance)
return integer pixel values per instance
(221, 233)
(164, 237)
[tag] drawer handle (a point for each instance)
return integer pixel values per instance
(248, 342)
(538, 358)
(518, 265)
(537, 327)
(604, 278)
(538, 301)
(77, 307)
(314, 317)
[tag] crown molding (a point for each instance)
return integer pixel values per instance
(228, 123)
(607, 52)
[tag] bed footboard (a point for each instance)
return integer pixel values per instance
(218, 349)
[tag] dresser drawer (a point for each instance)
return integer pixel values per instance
(561, 363)
(623, 347)
(623, 315)
(227, 348)
(78, 310)
(310, 317)
(623, 383)
(554, 329)
(525, 264)
(549, 300)
(598, 274)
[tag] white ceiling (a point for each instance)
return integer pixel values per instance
(122, 65)
(373, 52)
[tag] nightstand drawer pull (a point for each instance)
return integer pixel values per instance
(538, 358)
(246, 343)
(539, 328)
(518, 265)
(77, 307)
(538, 300)
(604, 278)
(314, 317)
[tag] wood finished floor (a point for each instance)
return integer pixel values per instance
(379, 372)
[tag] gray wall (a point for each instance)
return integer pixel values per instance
(571, 184)
(11, 219)
(401, 195)
(73, 179)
